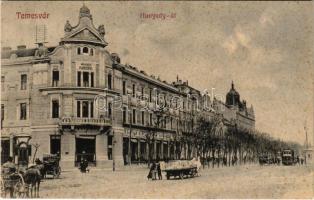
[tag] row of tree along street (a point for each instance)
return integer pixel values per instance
(219, 143)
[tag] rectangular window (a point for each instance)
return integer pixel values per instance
(85, 79)
(124, 88)
(124, 115)
(85, 109)
(133, 90)
(142, 93)
(55, 109)
(23, 82)
(109, 81)
(79, 79)
(109, 109)
(150, 95)
(23, 111)
(171, 123)
(55, 78)
(92, 79)
(151, 119)
(91, 109)
(2, 83)
(134, 116)
(130, 117)
(143, 118)
(78, 109)
(2, 114)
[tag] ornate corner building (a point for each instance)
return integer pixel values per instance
(77, 99)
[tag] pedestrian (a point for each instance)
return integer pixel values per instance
(152, 172)
(159, 171)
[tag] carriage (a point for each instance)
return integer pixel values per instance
(181, 168)
(13, 182)
(51, 165)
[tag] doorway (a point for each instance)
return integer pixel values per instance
(55, 144)
(85, 149)
(5, 150)
(23, 154)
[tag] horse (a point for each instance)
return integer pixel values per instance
(40, 165)
(32, 179)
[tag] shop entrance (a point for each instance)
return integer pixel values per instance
(85, 149)
(5, 150)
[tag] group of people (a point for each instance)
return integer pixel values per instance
(154, 171)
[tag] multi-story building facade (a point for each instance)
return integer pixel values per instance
(78, 99)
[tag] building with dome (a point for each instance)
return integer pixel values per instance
(78, 99)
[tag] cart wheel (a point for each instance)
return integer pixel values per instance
(2, 186)
(19, 190)
(56, 172)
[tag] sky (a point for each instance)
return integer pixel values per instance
(266, 48)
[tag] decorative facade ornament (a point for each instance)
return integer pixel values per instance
(101, 30)
(67, 26)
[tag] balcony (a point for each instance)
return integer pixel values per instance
(74, 121)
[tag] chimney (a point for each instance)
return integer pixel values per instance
(19, 47)
(6, 48)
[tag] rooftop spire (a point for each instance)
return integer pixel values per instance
(85, 12)
(232, 85)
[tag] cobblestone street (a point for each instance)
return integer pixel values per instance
(227, 182)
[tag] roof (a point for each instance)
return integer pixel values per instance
(22, 52)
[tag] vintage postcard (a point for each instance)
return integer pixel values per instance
(157, 99)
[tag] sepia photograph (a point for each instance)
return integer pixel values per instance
(157, 99)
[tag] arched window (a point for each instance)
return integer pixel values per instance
(91, 52)
(85, 50)
(79, 51)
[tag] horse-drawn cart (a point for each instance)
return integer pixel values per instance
(14, 183)
(181, 173)
(181, 168)
(51, 165)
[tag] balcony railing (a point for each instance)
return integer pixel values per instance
(86, 121)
